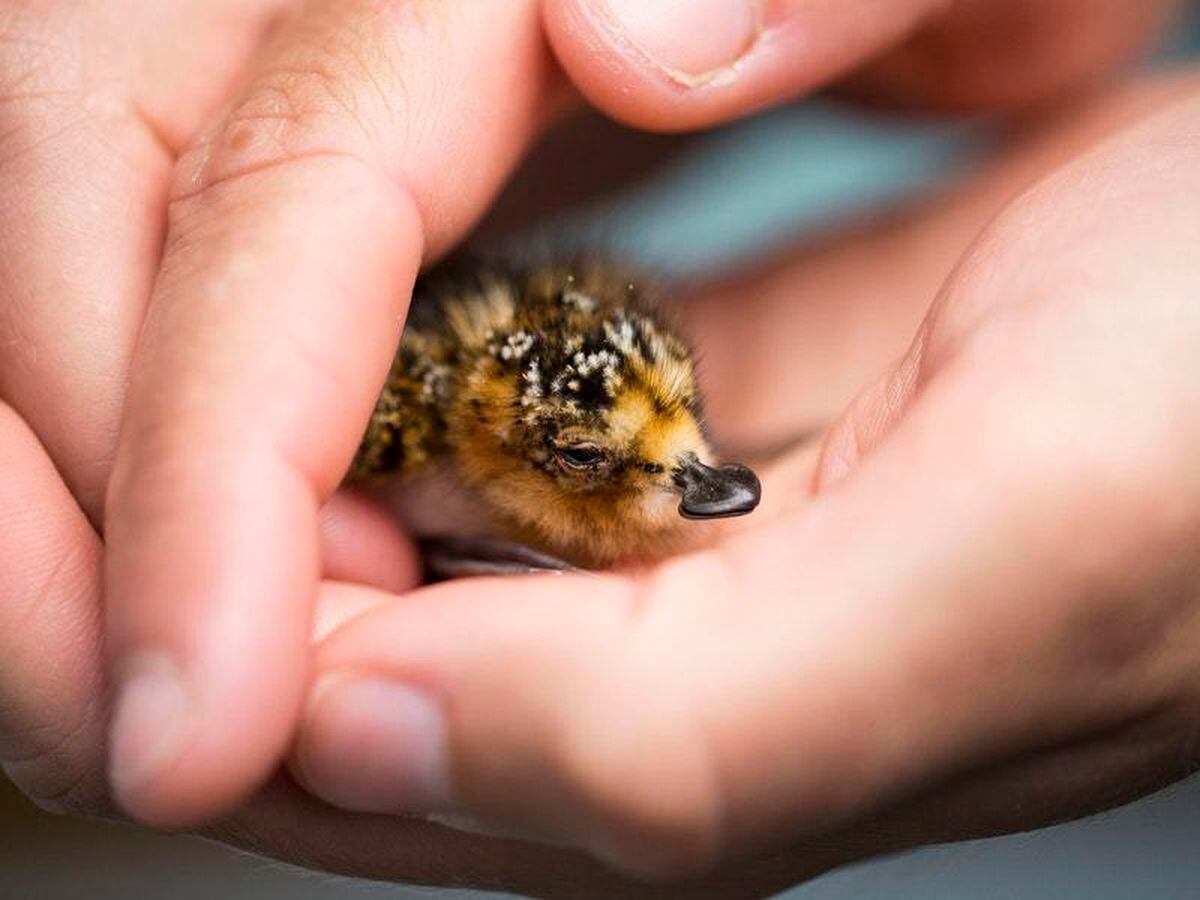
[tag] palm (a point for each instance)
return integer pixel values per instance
(895, 558)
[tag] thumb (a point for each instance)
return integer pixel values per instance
(684, 64)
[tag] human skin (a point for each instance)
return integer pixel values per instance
(982, 588)
(196, 447)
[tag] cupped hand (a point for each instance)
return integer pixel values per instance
(95, 104)
(363, 139)
(976, 610)
(320, 151)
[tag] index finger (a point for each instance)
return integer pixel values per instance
(368, 136)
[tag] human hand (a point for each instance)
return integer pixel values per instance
(299, 218)
(93, 105)
(76, 77)
(983, 617)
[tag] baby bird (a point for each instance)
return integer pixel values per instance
(557, 402)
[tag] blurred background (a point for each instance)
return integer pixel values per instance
(1146, 851)
(702, 204)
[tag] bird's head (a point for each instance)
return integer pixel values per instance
(583, 427)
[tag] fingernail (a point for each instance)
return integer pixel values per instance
(152, 721)
(374, 745)
(693, 42)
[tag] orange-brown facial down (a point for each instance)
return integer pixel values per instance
(558, 396)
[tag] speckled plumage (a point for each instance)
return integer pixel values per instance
(557, 394)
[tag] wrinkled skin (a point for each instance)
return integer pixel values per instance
(979, 583)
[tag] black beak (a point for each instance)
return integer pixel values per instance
(710, 493)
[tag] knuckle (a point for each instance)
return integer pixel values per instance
(279, 122)
(51, 93)
(324, 95)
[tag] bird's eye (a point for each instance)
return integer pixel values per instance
(581, 456)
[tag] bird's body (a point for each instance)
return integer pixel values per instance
(559, 403)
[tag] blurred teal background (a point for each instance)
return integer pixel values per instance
(736, 192)
(779, 176)
(769, 180)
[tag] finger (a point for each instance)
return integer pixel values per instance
(362, 542)
(68, 317)
(368, 136)
(52, 685)
(675, 66)
(88, 130)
